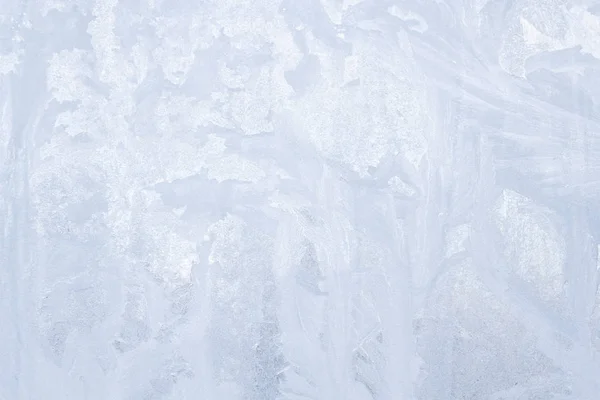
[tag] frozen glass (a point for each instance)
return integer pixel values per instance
(299, 199)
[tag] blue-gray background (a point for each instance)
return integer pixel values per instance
(299, 199)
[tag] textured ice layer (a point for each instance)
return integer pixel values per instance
(299, 199)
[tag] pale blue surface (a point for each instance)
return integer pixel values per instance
(299, 199)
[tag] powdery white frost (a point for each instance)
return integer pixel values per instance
(279, 199)
(535, 250)
(359, 124)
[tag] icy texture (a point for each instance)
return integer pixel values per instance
(299, 199)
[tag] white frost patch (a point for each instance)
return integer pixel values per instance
(225, 233)
(180, 39)
(66, 72)
(223, 167)
(250, 109)
(409, 16)
(178, 114)
(251, 113)
(170, 255)
(173, 254)
(341, 130)
(251, 25)
(49, 5)
(140, 59)
(472, 298)
(9, 62)
(110, 64)
(350, 69)
(174, 119)
(78, 121)
(346, 4)
(358, 125)
(413, 146)
(235, 77)
(54, 189)
(168, 160)
(456, 239)
(179, 211)
(585, 31)
(534, 37)
(535, 250)
(401, 188)
(175, 60)
(524, 40)
(333, 8)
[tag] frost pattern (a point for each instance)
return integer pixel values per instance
(319, 199)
